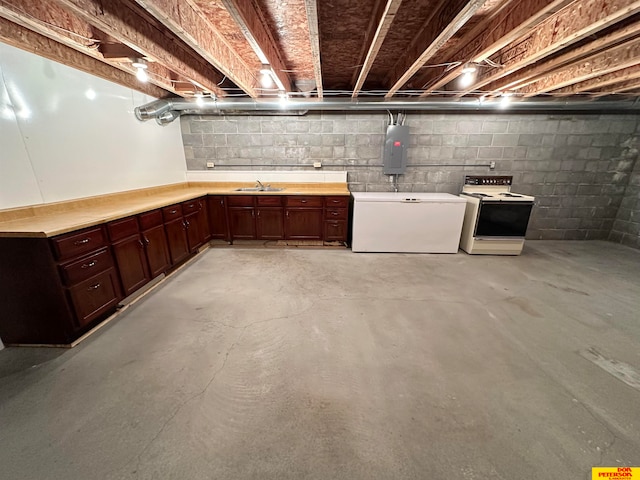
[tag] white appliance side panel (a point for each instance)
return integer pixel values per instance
(407, 227)
(79, 134)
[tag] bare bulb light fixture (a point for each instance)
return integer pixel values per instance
(468, 75)
(199, 98)
(505, 99)
(266, 76)
(141, 69)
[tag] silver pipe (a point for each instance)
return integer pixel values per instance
(220, 106)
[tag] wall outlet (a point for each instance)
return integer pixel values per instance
(492, 165)
(210, 165)
(317, 164)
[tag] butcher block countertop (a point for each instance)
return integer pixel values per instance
(48, 220)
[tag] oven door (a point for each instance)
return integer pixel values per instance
(503, 219)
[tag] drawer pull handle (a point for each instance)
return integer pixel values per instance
(146, 240)
(335, 214)
(94, 287)
(90, 264)
(173, 211)
(303, 201)
(83, 241)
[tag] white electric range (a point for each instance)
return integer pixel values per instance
(496, 219)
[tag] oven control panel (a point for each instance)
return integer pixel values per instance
(504, 180)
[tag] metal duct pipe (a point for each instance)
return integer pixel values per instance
(218, 106)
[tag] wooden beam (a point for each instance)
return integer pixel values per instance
(623, 87)
(573, 23)
(511, 22)
(602, 81)
(452, 16)
(26, 39)
(314, 37)
(128, 25)
(529, 75)
(254, 27)
(117, 52)
(376, 13)
(388, 15)
(616, 58)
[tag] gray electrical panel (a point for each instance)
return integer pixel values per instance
(395, 150)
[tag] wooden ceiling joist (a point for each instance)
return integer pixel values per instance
(621, 88)
(614, 59)
(26, 39)
(516, 19)
(314, 38)
(571, 24)
(602, 81)
(452, 16)
(388, 15)
(252, 24)
(118, 19)
(541, 69)
(188, 23)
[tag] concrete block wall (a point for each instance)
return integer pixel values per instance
(577, 166)
(626, 226)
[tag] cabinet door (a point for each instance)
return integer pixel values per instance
(335, 230)
(218, 217)
(177, 240)
(194, 236)
(269, 223)
(242, 223)
(132, 263)
(304, 224)
(157, 250)
(203, 219)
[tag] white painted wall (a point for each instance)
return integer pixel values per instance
(66, 134)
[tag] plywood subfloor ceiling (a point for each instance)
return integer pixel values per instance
(346, 48)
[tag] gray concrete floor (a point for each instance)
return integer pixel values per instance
(303, 363)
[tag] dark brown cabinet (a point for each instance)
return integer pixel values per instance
(269, 218)
(303, 218)
(197, 223)
(129, 252)
(242, 223)
(176, 230)
(217, 211)
(95, 296)
(336, 215)
(155, 242)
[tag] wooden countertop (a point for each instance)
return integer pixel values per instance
(48, 220)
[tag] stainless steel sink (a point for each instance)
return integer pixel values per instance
(259, 189)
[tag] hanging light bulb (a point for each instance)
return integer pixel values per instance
(266, 79)
(141, 69)
(468, 75)
(199, 98)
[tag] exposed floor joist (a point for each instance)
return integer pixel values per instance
(511, 22)
(541, 69)
(573, 23)
(622, 88)
(250, 21)
(601, 81)
(314, 37)
(617, 58)
(452, 16)
(26, 39)
(388, 15)
(189, 24)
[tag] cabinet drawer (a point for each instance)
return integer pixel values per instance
(336, 213)
(150, 219)
(89, 266)
(172, 212)
(240, 201)
(191, 206)
(304, 201)
(76, 243)
(94, 296)
(124, 228)
(335, 230)
(342, 202)
(268, 201)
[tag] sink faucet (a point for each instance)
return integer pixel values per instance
(260, 184)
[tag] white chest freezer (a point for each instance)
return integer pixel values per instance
(407, 222)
